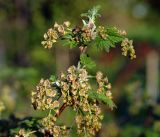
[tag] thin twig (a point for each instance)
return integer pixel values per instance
(61, 110)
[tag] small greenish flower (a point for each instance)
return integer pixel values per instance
(52, 128)
(43, 96)
(23, 133)
(101, 31)
(122, 32)
(66, 24)
(127, 48)
(53, 34)
(103, 85)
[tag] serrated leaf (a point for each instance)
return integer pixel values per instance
(112, 31)
(68, 42)
(87, 61)
(101, 97)
(112, 38)
(92, 13)
(67, 36)
(15, 130)
(115, 39)
(104, 44)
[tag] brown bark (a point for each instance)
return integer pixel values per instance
(61, 110)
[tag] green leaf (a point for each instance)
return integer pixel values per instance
(72, 44)
(68, 41)
(101, 97)
(112, 38)
(115, 39)
(92, 13)
(67, 36)
(103, 44)
(113, 31)
(87, 61)
(52, 78)
(15, 131)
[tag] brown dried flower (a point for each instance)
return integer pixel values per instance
(127, 46)
(43, 96)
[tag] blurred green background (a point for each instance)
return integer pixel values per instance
(136, 84)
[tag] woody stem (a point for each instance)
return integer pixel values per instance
(61, 110)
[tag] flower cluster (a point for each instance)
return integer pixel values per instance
(23, 133)
(50, 127)
(44, 96)
(89, 31)
(122, 32)
(89, 117)
(87, 35)
(103, 85)
(103, 37)
(101, 31)
(74, 88)
(54, 33)
(127, 46)
(89, 123)
(83, 35)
